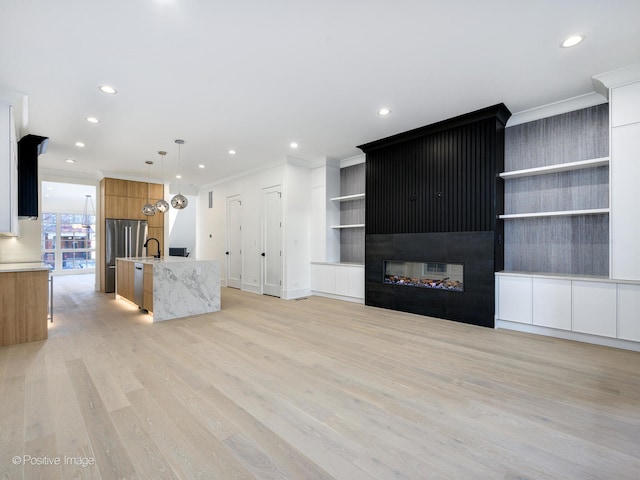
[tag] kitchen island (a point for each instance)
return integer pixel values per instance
(171, 287)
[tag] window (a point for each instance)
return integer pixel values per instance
(67, 244)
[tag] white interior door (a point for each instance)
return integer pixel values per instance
(234, 241)
(272, 253)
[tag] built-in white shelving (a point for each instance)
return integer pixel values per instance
(559, 167)
(556, 168)
(347, 198)
(355, 225)
(561, 213)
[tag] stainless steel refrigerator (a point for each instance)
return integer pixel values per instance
(124, 238)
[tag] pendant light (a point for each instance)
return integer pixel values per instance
(179, 202)
(162, 205)
(89, 212)
(149, 209)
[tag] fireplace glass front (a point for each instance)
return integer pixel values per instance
(444, 276)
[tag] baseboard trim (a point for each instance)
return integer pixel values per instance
(575, 336)
(293, 294)
(338, 297)
(246, 287)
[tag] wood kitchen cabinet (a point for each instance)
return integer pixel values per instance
(125, 271)
(24, 297)
(124, 279)
(124, 199)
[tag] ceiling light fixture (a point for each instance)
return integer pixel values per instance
(162, 205)
(107, 89)
(384, 112)
(293, 145)
(232, 152)
(69, 160)
(93, 120)
(80, 145)
(572, 41)
(149, 209)
(200, 166)
(89, 214)
(179, 202)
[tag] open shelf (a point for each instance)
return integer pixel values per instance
(356, 225)
(562, 213)
(559, 167)
(346, 198)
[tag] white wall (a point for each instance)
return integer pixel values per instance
(295, 181)
(211, 234)
(297, 222)
(325, 184)
(25, 247)
(182, 226)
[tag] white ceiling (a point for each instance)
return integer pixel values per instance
(255, 75)
(68, 198)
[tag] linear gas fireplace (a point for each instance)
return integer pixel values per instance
(444, 276)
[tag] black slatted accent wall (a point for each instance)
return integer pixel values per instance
(443, 182)
(391, 174)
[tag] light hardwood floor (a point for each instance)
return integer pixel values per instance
(310, 389)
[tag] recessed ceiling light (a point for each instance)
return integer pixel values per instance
(80, 145)
(232, 152)
(69, 160)
(107, 89)
(572, 41)
(293, 145)
(384, 111)
(178, 176)
(93, 120)
(200, 166)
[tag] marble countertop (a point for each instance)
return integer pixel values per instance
(159, 261)
(23, 267)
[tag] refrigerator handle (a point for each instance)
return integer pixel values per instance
(126, 241)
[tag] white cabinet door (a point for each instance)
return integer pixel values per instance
(316, 277)
(356, 282)
(625, 104)
(323, 278)
(629, 312)
(594, 308)
(8, 172)
(552, 303)
(625, 202)
(342, 279)
(514, 299)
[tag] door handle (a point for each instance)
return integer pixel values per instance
(263, 254)
(226, 253)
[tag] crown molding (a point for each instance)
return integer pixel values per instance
(556, 108)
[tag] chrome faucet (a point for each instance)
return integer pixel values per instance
(157, 241)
